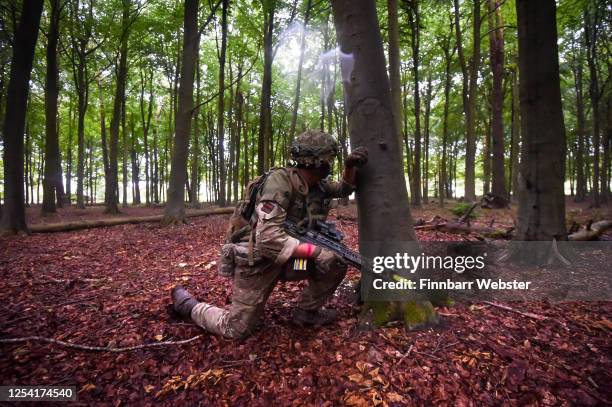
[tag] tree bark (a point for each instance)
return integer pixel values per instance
(296, 99)
(174, 212)
(590, 35)
(146, 124)
(516, 137)
(112, 186)
(496, 48)
(124, 154)
(414, 22)
(80, 52)
(221, 106)
(69, 155)
(541, 211)
(394, 66)
(469, 78)
(448, 55)
(577, 69)
(238, 128)
(135, 166)
(265, 113)
(53, 189)
(13, 212)
(428, 98)
(381, 190)
(195, 154)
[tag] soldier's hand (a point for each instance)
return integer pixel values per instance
(357, 158)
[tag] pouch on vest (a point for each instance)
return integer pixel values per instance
(226, 263)
(240, 221)
(297, 269)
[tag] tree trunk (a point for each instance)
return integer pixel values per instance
(28, 164)
(296, 99)
(103, 136)
(13, 212)
(112, 186)
(69, 156)
(516, 137)
(590, 34)
(124, 153)
(221, 106)
(381, 191)
(496, 48)
(428, 97)
(541, 211)
(607, 145)
(443, 182)
(135, 167)
(53, 189)
(155, 168)
(146, 124)
(239, 103)
(265, 113)
(469, 95)
(414, 21)
(92, 189)
(174, 212)
(394, 66)
(486, 150)
(195, 154)
(577, 64)
(470, 147)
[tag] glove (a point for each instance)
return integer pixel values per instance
(357, 158)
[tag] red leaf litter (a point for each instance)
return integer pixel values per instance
(109, 287)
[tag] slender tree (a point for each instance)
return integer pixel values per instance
(591, 34)
(53, 187)
(174, 212)
(265, 113)
(414, 20)
(112, 186)
(469, 94)
(221, 105)
(496, 49)
(298, 84)
(394, 65)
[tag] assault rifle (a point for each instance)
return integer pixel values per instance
(326, 235)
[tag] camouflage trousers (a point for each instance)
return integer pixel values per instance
(253, 285)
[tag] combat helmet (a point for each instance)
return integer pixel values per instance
(314, 148)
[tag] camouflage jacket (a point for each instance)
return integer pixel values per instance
(285, 195)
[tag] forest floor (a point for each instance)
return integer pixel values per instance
(109, 287)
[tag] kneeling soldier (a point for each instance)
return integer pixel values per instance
(263, 253)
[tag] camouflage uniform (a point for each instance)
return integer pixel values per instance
(284, 195)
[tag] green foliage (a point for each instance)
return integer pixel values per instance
(461, 209)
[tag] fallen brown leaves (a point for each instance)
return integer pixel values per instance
(109, 287)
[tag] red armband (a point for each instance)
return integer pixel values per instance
(307, 251)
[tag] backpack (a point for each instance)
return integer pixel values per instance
(241, 222)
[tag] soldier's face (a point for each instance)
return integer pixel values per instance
(323, 170)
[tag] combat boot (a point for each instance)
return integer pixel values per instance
(182, 301)
(319, 317)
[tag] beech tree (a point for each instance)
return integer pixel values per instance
(112, 186)
(53, 187)
(13, 212)
(175, 206)
(382, 193)
(541, 211)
